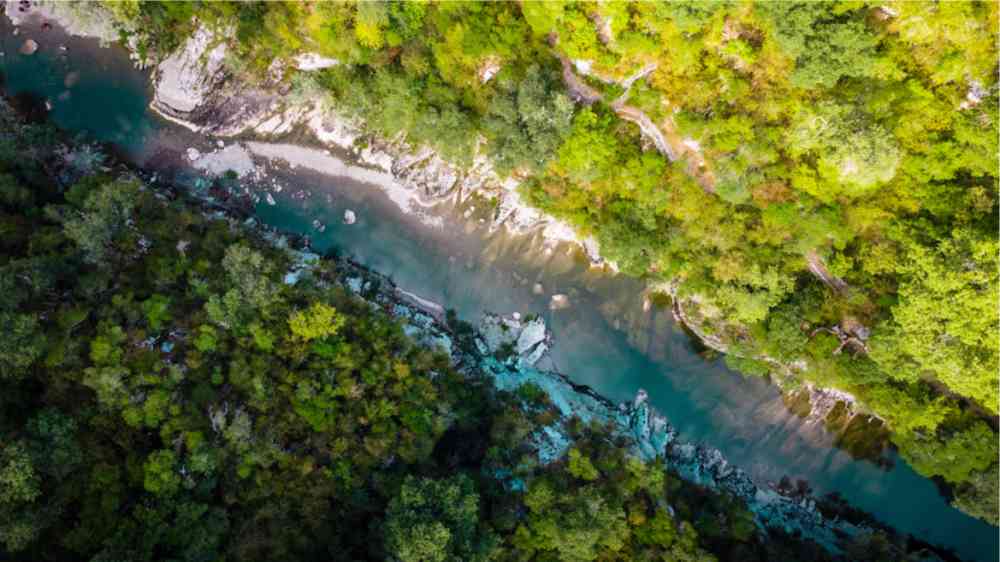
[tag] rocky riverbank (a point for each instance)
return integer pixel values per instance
(838, 411)
(506, 348)
(193, 87)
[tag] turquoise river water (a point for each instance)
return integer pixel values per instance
(606, 338)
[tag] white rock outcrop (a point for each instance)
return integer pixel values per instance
(313, 61)
(235, 158)
(526, 340)
(185, 78)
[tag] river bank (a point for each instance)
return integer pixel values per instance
(194, 88)
(706, 402)
(506, 349)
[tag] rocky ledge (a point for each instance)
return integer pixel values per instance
(193, 87)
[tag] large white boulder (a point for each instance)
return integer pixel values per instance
(313, 61)
(186, 77)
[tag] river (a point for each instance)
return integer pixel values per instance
(606, 338)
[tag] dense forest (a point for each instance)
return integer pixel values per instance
(166, 393)
(818, 178)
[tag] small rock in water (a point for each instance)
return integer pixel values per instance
(319, 226)
(29, 47)
(48, 105)
(559, 302)
(350, 217)
(270, 200)
(63, 48)
(193, 154)
(538, 289)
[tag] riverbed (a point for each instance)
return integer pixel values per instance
(608, 337)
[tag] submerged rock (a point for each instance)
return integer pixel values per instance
(29, 47)
(234, 158)
(558, 302)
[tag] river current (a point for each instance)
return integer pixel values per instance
(607, 337)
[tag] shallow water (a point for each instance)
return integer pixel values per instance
(604, 339)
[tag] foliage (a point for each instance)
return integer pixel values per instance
(852, 139)
(177, 410)
(436, 521)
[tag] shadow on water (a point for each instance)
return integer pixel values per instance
(606, 338)
(29, 105)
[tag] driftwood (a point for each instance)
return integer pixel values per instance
(818, 268)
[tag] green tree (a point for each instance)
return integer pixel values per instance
(20, 487)
(853, 155)
(251, 290)
(827, 41)
(161, 477)
(102, 226)
(437, 520)
(320, 320)
(944, 325)
(21, 343)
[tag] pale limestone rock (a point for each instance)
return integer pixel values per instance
(489, 69)
(313, 61)
(234, 157)
(187, 76)
(558, 302)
